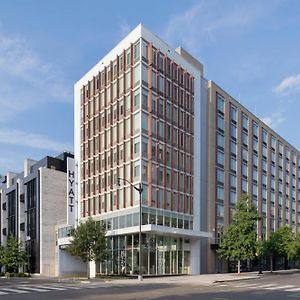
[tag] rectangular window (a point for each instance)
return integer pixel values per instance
(233, 113)
(245, 121)
(220, 103)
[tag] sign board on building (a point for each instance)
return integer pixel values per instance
(71, 192)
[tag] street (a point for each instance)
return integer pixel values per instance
(270, 286)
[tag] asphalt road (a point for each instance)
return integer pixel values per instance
(274, 287)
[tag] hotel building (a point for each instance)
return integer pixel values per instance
(146, 114)
(245, 156)
(140, 115)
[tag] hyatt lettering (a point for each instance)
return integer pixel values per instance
(71, 190)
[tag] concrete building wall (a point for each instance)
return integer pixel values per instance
(53, 210)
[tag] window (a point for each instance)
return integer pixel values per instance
(233, 164)
(233, 113)
(245, 121)
(244, 154)
(255, 129)
(233, 148)
(245, 139)
(232, 197)
(136, 168)
(232, 181)
(255, 144)
(273, 142)
(136, 75)
(233, 131)
(145, 99)
(136, 146)
(136, 99)
(144, 49)
(220, 193)
(245, 170)
(264, 136)
(220, 122)
(220, 176)
(244, 186)
(220, 158)
(220, 140)
(136, 51)
(220, 103)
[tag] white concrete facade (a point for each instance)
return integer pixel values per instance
(200, 106)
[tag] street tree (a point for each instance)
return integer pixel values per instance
(2, 254)
(239, 241)
(89, 242)
(280, 244)
(294, 252)
(14, 255)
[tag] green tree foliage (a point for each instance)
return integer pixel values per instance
(294, 252)
(14, 256)
(281, 244)
(284, 240)
(2, 255)
(89, 242)
(239, 241)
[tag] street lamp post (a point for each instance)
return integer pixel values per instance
(28, 239)
(140, 190)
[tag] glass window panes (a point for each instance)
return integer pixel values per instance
(255, 129)
(220, 176)
(245, 121)
(220, 158)
(220, 140)
(220, 122)
(220, 103)
(233, 113)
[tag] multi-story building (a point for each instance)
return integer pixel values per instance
(32, 204)
(140, 115)
(245, 156)
(146, 114)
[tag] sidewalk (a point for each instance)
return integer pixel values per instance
(205, 279)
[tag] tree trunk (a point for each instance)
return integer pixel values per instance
(239, 267)
(88, 269)
(271, 263)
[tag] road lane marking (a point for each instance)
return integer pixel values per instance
(244, 285)
(14, 291)
(263, 286)
(3, 293)
(282, 287)
(50, 287)
(34, 289)
(293, 290)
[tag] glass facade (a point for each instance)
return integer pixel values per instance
(161, 255)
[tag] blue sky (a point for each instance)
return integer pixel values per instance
(249, 48)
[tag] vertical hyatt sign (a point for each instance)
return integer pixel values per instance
(71, 192)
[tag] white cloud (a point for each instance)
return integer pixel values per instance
(26, 79)
(288, 84)
(31, 140)
(206, 20)
(124, 28)
(274, 120)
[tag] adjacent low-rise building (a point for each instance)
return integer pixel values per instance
(33, 203)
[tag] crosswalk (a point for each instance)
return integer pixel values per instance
(44, 288)
(264, 287)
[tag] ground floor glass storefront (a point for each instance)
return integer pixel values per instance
(161, 255)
